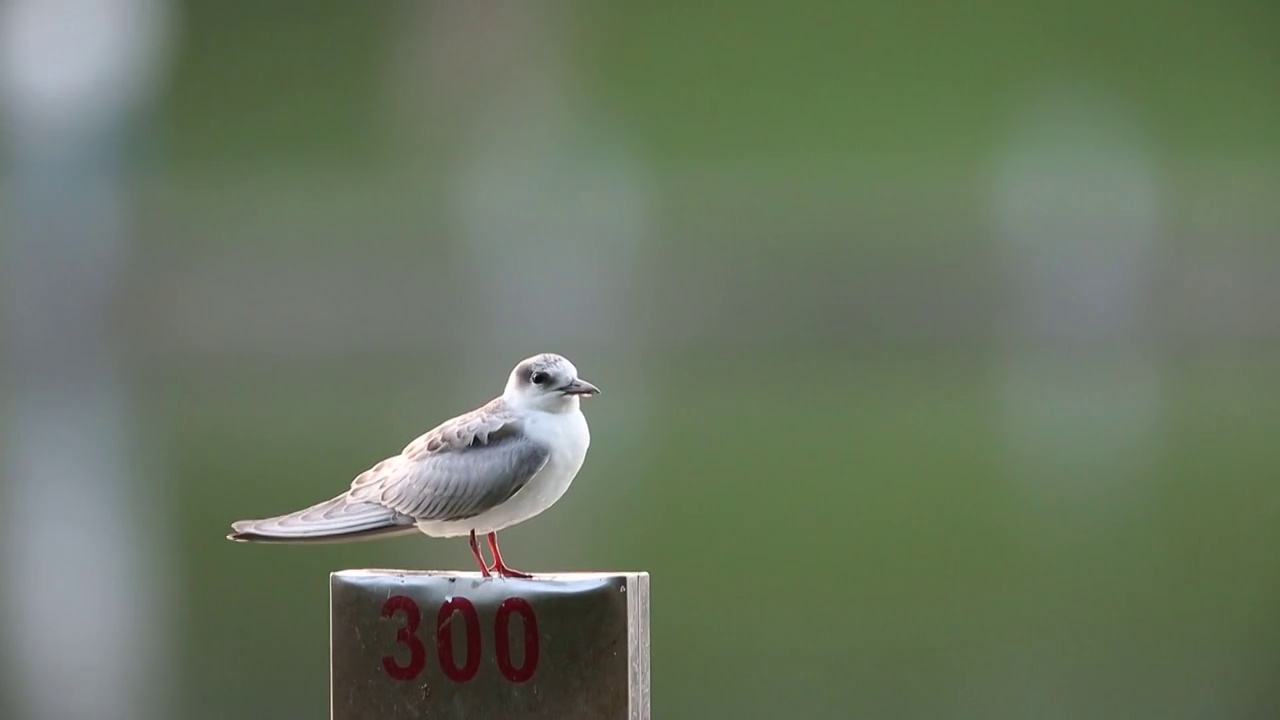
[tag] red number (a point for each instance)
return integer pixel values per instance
(444, 639)
(407, 635)
(502, 640)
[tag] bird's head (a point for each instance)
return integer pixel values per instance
(547, 382)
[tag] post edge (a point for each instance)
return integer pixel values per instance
(638, 609)
(333, 581)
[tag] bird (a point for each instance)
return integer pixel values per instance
(478, 473)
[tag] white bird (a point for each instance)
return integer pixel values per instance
(480, 472)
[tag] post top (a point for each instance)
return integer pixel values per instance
(371, 573)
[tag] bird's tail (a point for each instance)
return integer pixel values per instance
(335, 520)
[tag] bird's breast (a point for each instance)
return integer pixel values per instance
(568, 438)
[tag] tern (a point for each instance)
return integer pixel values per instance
(477, 473)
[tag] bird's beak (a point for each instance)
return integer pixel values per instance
(580, 387)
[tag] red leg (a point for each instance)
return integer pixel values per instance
(499, 566)
(475, 550)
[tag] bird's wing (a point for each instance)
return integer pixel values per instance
(458, 470)
(336, 519)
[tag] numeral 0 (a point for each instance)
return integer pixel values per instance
(444, 639)
(449, 611)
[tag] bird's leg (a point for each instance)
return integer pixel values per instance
(475, 550)
(499, 566)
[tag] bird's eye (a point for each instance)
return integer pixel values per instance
(539, 378)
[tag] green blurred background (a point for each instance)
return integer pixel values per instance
(940, 343)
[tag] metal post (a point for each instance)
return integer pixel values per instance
(447, 645)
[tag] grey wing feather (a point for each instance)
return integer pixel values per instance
(335, 519)
(458, 470)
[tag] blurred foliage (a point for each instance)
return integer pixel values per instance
(831, 525)
(863, 87)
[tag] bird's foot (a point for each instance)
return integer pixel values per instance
(498, 566)
(503, 571)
